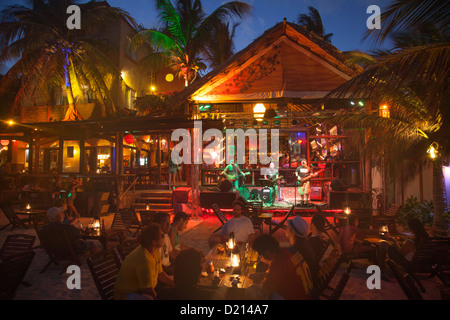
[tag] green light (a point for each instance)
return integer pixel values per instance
(204, 107)
(361, 103)
(277, 122)
(265, 122)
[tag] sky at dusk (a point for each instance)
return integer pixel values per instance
(346, 19)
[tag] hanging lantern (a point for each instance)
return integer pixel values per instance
(128, 139)
(5, 142)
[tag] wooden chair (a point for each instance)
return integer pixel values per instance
(12, 271)
(126, 247)
(14, 220)
(431, 257)
(146, 217)
(119, 223)
(221, 216)
(104, 268)
(405, 281)
(58, 248)
(328, 267)
(39, 221)
(253, 210)
(15, 244)
(282, 223)
(389, 218)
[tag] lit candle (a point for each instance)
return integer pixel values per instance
(28, 206)
(231, 244)
(234, 260)
(347, 210)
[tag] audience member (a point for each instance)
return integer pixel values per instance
(167, 253)
(55, 226)
(288, 276)
(240, 225)
(142, 270)
(74, 183)
(318, 238)
(296, 232)
(179, 223)
(404, 254)
(349, 242)
(187, 270)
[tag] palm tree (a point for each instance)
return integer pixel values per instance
(50, 56)
(313, 23)
(186, 32)
(414, 79)
(220, 47)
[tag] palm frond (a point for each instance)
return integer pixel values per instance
(404, 15)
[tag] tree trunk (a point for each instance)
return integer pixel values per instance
(72, 113)
(439, 223)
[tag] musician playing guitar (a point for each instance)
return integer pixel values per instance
(272, 175)
(303, 173)
(234, 174)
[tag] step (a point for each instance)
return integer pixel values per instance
(154, 210)
(159, 194)
(153, 200)
(152, 205)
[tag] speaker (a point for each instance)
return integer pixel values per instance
(316, 193)
(225, 186)
(223, 199)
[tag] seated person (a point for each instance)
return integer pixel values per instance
(296, 232)
(142, 270)
(240, 225)
(318, 238)
(168, 254)
(404, 254)
(55, 228)
(288, 276)
(187, 270)
(349, 242)
(179, 223)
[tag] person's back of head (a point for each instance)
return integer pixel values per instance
(319, 222)
(352, 218)
(265, 243)
(418, 229)
(54, 214)
(160, 216)
(180, 216)
(187, 268)
(149, 234)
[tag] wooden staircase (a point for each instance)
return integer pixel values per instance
(157, 200)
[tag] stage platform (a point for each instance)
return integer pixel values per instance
(282, 207)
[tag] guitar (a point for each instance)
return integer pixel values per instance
(301, 181)
(233, 177)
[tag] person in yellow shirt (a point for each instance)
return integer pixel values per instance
(142, 270)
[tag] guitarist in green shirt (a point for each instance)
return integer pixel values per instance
(234, 174)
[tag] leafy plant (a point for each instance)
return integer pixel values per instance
(412, 208)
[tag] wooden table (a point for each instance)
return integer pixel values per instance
(224, 274)
(29, 212)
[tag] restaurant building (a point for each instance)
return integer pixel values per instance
(278, 83)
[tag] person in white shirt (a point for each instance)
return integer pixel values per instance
(240, 225)
(168, 254)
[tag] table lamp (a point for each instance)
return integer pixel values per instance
(384, 230)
